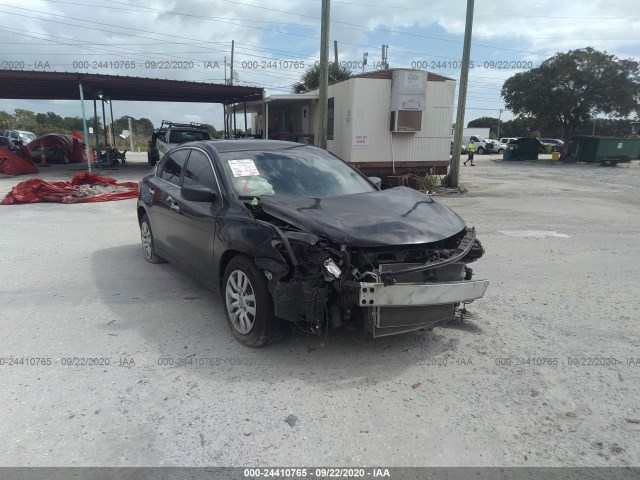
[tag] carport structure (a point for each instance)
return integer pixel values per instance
(33, 85)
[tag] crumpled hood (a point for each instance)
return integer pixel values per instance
(399, 216)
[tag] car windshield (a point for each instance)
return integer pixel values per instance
(292, 172)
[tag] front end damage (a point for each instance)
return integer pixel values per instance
(318, 283)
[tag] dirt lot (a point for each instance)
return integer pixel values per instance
(544, 371)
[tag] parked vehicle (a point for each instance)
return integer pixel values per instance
(498, 147)
(508, 140)
(19, 135)
(554, 144)
(291, 234)
(463, 149)
(170, 135)
(7, 144)
(481, 145)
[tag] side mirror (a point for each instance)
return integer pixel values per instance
(377, 181)
(198, 193)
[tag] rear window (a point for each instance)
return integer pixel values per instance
(181, 136)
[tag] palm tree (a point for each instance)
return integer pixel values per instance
(311, 78)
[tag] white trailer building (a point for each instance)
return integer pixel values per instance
(386, 122)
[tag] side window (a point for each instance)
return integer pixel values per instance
(173, 165)
(199, 171)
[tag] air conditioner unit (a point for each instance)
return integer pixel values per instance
(406, 121)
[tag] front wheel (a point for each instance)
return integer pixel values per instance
(501, 151)
(480, 150)
(249, 306)
(148, 247)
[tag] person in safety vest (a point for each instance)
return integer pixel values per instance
(470, 149)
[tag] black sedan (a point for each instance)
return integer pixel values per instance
(291, 234)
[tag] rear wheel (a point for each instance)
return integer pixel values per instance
(148, 247)
(248, 304)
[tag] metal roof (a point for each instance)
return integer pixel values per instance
(20, 84)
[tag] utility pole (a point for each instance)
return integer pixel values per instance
(499, 121)
(454, 171)
(231, 76)
(385, 53)
(323, 99)
(335, 52)
(364, 60)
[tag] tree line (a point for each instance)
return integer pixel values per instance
(571, 90)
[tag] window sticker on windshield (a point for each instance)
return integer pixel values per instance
(243, 168)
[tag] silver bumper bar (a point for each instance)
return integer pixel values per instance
(415, 294)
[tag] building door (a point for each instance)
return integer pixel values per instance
(304, 123)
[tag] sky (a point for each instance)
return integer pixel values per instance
(276, 40)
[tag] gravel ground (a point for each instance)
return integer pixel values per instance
(499, 389)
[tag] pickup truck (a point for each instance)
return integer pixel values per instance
(170, 135)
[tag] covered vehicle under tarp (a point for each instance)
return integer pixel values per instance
(59, 148)
(83, 188)
(12, 164)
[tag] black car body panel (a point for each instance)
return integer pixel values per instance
(399, 216)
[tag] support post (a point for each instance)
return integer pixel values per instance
(235, 135)
(104, 125)
(245, 120)
(266, 120)
(113, 131)
(130, 134)
(95, 127)
(84, 128)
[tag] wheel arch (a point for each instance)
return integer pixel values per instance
(141, 211)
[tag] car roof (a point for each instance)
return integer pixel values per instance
(251, 145)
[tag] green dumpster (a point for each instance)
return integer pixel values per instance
(522, 149)
(605, 150)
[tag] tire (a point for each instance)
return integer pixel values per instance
(252, 321)
(480, 150)
(148, 247)
(501, 151)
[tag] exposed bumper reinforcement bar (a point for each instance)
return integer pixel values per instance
(414, 294)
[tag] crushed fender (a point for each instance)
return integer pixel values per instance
(83, 188)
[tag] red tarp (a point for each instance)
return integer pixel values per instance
(70, 146)
(83, 187)
(11, 164)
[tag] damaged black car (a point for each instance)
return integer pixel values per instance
(291, 234)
